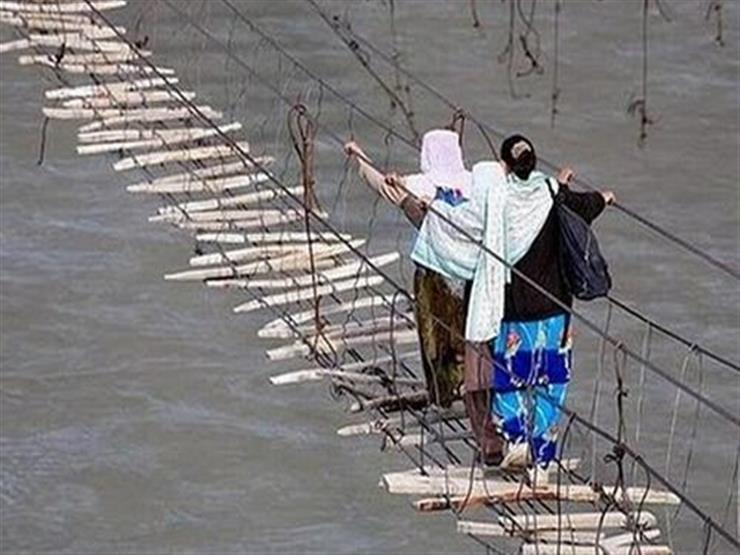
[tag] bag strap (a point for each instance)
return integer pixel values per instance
(549, 186)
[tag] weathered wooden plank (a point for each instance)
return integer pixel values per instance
(167, 139)
(246, 199)
(278, 328)
(313, 374)
(340, 272)
(293, 296)
(83, 91)
(11, 45)
(271, 237)
(565, 522)
(128, 99)
(160, 114)
(296, 249)
(318, 374)
(220, 215)
(553, 549)
(492, 491)
(390, 400)
(353, 328)
(182, 155)
(129, 115)
(57, 17)
(115, 135)
(330, 345)
(78, 42)
(94, 58)
(60, 7)
(86, 30)
(103, 69)
(235, 225)
(382, 425)
(284, 263)
(206, 179)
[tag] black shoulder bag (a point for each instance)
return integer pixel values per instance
(584, 268)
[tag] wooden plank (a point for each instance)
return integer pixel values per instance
(318, 374)
(213, 186)
(57, 17)
(278, 328)
(235, 225)
(220, 215)
(251, 253)
(412, 484)
(565, 522)
(283, 263)
(313, 374)
(245, 199)
(353, 328)
(60, 7)
(130, 134)
(199, 175)
(382, 425)
(553, 549)
(85, 30)
(119, 99)
(183, 155)
(340, 272)
(296, 249)
(336, 344)
(622, 544)
(128, 117)
(296, 295)
(271, 237)
(94, 58)
(78, 42)
(83, 91)
(11, 45)
(168, 139)
(380, 402)
(103, 69)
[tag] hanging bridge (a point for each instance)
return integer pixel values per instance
(261, 233)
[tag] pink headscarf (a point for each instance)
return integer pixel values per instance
(441, 165)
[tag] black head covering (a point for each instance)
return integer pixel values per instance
(518, 153)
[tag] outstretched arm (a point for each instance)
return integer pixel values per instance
(385, 186)
(588, 205)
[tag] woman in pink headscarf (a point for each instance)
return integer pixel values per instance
(440, 298)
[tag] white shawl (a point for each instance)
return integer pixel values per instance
(514, 214)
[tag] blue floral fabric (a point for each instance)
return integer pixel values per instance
(530, 378)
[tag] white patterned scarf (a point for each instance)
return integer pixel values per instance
(515, 211)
